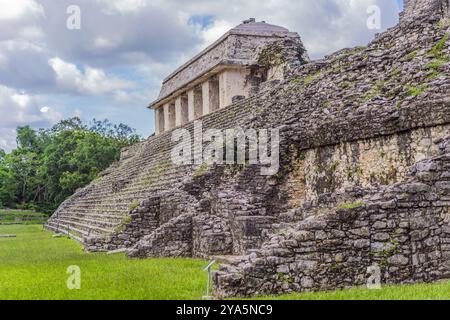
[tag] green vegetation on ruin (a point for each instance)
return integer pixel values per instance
(155, 173)
(410, 56)
(438, 48)
(271, 56)
(444, 23)
(417, 91)
(352, 205)
(202, 170)
(376, 90)
(133, 205)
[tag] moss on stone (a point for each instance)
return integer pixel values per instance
(412, 55)
(334, 166)
(133, 205)
(312, 77)
(438, 48)
(126, 219)
(156, 172)
(202, 169)
(443, 23)
(271, 56)
(352, 205)
(376, 91)
(296, 81)
(417, 91)
(436, 64)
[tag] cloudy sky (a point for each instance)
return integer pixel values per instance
(113, 66)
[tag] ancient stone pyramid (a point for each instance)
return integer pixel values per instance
(364, 178)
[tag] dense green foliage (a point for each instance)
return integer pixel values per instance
(50, 165)
(34, 265)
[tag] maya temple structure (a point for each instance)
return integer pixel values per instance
(364, 151)
(229, 70)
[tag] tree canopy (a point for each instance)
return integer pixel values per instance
(49, 165)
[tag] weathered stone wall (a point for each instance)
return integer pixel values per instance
(403, 229)
(412, 8)
(380, 161)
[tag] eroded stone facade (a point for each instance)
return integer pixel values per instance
(364, 176)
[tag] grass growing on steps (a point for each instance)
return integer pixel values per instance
(34, 265)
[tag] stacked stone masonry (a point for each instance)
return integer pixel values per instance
(364, 177)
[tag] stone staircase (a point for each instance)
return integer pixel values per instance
(104, 206)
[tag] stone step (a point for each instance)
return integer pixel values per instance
(94, 222)
(60, 231)
(100, 213)
(86, 228)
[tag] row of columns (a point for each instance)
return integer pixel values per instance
(213, 94)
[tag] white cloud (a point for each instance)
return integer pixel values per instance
(45, 109)
(31, 33)
(7, 139)
(123, 6)
(215, 31)
(23, 64)
(3, 60)
(18, 108)
(93, 81)
(104, 43)
(14, 9)
(324, 25)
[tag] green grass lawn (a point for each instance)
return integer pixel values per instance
(437, 291)
(34, 265)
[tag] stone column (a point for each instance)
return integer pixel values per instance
(184, 109)
(172, 114)
(157, 127)
(178, 115)
(191, 105)
(214, 93)
(198, 102)
(232, 83)
(166, 117)
(206, 97)
(222, 89)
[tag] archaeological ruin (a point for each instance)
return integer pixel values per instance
(223, 73)
(364, 179)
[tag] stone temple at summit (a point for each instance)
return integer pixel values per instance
(228, 70)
